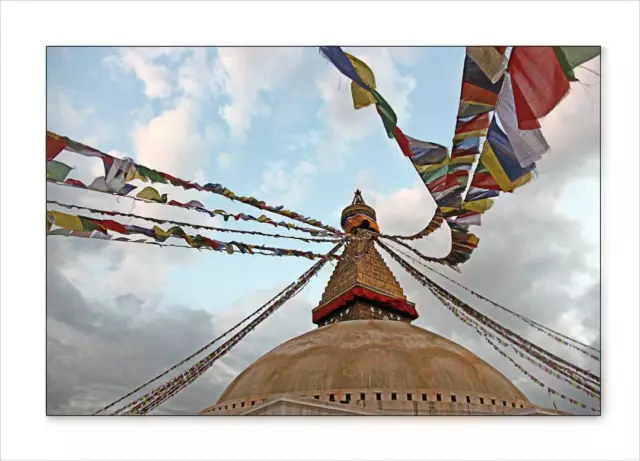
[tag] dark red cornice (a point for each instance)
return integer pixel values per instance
(360, 292)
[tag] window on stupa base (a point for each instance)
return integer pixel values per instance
(378, 396)
(439, 397)
(394, 396)
(468, 399)
(253, 402)
(242, 404)
(332, 398)
(513, 404)
(493, 401)
(409, 397)
(424, 397)
(481, 401)
(454, 399)
(233, 406)
(317, 397)
(363, 397)
(347, 397)
(521, 406)
(504, 403)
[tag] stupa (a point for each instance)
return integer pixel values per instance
(366, 357)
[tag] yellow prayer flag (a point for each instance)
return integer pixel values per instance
(132, 174)
(66, 221)
(362, 97)
(491, 162)
(161, 232)
(478, 206)
(149, 193)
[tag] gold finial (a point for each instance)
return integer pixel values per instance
(358, 198)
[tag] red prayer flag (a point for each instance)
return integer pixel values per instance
(538, 82)
(478, 122)
(447, 182)
(75, 182)
(402, 141)
(55, 144)
(472, 93)
(112, 225)
(484, 181)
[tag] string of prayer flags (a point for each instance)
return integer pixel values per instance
(57, 171)
(119, 170)
(553, 334)
(538, 82)
(478, 94)
(363, 82)
(578, 374)
(575, 402)
(195, 226)
(434, 224)
(86, 224)
(197, 206)
(487, 337)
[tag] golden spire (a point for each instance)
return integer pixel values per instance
(362, 286)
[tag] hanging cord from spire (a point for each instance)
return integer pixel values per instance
(552, 333)
(543, 329)
(488, 335)
(461, 316)
(531, 348)
(156, 397)
(202, 349)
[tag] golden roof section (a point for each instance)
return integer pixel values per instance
(369, 270)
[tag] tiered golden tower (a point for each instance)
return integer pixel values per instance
(362, 286)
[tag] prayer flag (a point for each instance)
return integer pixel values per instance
(57, 171)
(538, 82)
(55, 145)
(492, 62)
(528, 145)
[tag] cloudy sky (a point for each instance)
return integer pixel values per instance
(278, 124)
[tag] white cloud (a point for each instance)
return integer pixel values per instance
(171, 142)
(287, 185)
(245, 73)
(224, 160)
(141, 61)
(195, 75)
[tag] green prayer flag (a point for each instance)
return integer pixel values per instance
(153, 175)
(564, 64)
(388, 116)
(57, 171)
(577, 55)
(88, 224)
